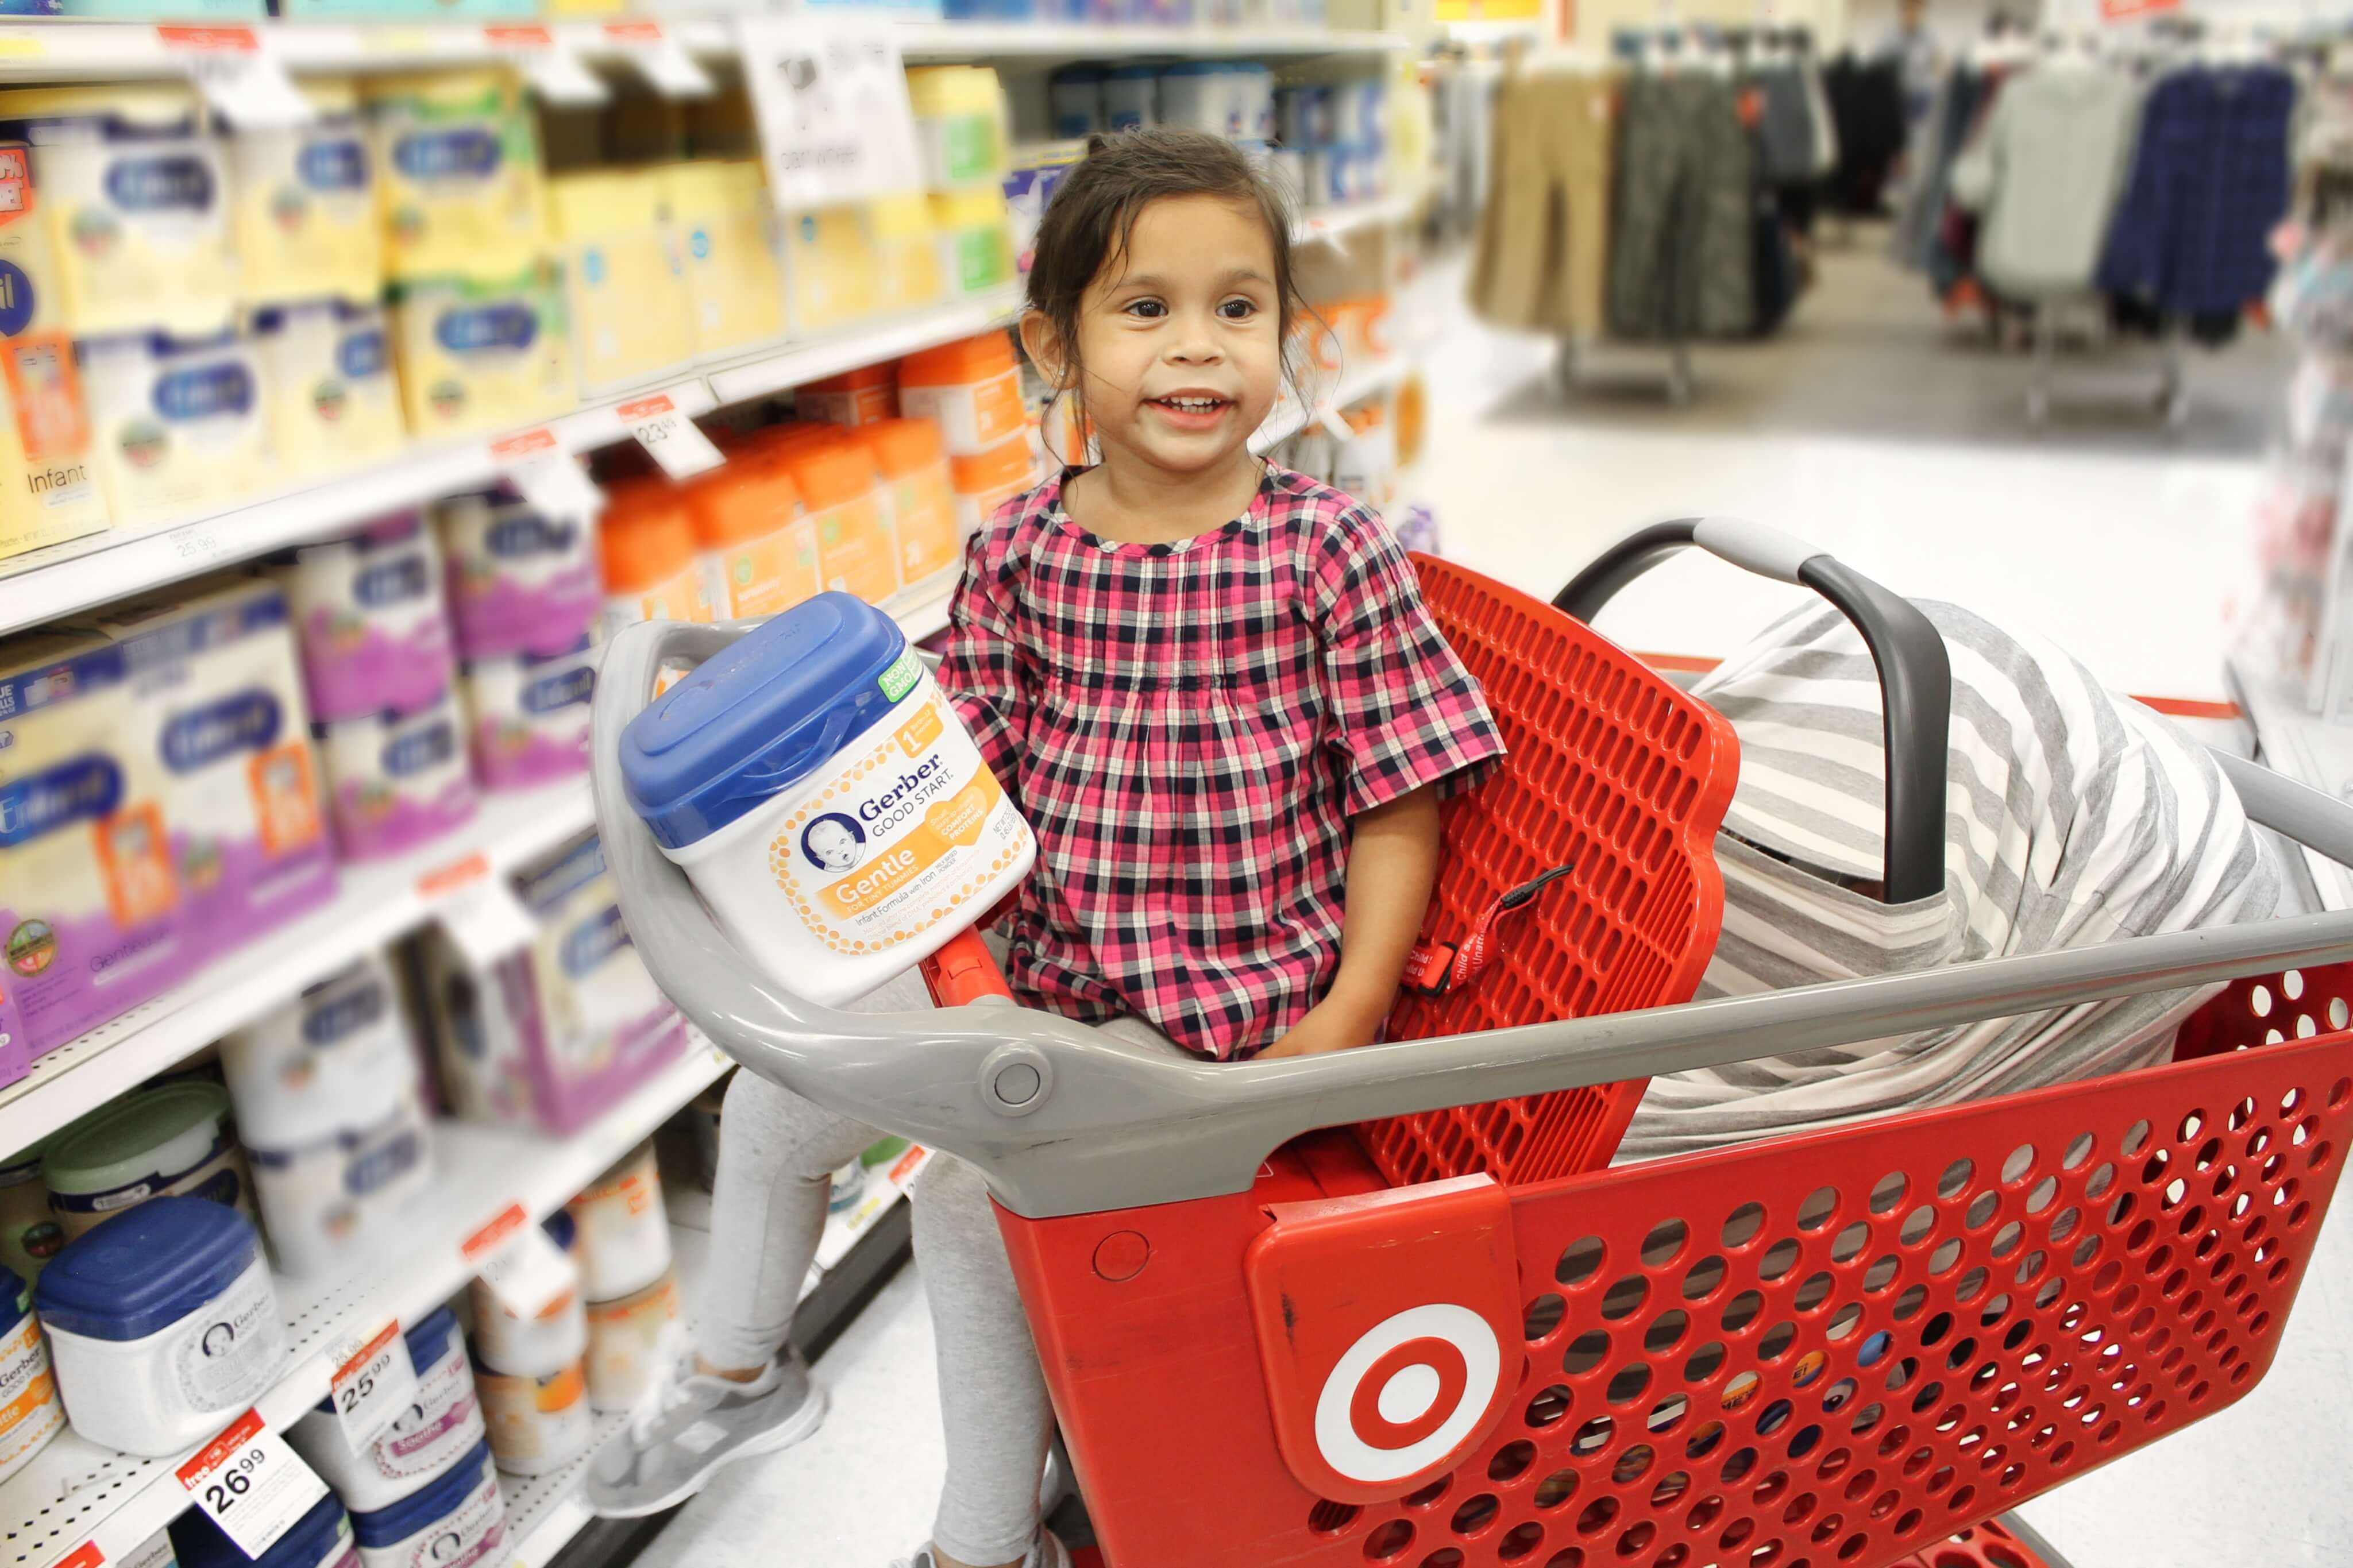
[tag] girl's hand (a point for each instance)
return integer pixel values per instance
(1334, 1024)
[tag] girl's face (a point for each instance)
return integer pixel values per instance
(1181, 336)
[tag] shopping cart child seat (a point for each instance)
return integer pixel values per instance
(1837, 1348)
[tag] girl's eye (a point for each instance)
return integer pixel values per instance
(1149, 310)
(1237, 310)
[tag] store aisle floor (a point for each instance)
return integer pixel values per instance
(2125, 551)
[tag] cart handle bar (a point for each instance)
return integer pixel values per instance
(1915, 679)
(1097, 1122)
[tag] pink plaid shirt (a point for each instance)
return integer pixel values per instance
(1188, 728)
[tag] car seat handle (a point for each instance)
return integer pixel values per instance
(1915, 678)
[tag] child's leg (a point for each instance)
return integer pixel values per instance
(993, 1401)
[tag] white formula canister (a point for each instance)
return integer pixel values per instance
(456, 1522)
(537, 1423)
(624, 1231)
(30, 1413)
(826, 799)
(441, 1426)
(540, 1346)
(625, 1339)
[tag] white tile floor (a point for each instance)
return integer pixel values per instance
(2128, 560)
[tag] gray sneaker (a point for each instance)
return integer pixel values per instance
(1046, 1551)
(688, 1424)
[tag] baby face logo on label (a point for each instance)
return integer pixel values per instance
(834, 842)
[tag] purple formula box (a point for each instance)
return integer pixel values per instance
(398, 780)
(369, 614)
(520, 580)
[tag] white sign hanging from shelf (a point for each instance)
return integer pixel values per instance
(830, 97)
(553, 71)
(239, 73)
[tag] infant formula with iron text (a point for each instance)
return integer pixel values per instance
(826, 799)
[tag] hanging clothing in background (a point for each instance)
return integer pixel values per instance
(1462, 101)
(1544, 240)
(1785, 126)
(1681, 262)
(1773, 261)
(1920, 210)
(2046, 176)
(2190, 235)
(1867, 108)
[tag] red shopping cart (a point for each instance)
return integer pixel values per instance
(1452, 1337)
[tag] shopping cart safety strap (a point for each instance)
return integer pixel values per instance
(1437, 968)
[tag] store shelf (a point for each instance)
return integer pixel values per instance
(44, 584)
(74, 1491)
(2299, 744)
(1354, 386)
(54, 49)
(1337, 223)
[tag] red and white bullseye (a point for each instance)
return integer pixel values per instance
(1406, 1394)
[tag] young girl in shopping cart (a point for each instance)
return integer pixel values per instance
(1214, 690)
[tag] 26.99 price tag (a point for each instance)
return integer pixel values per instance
(249, 1483)
(372, 1386)
(669, 436)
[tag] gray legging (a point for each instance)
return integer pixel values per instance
(776, 1151)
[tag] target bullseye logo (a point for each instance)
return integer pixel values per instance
(1407, 1393)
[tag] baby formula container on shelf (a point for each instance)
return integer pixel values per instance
(168, 1141)
(329, 1198)
(88, 889)
(854, 397)
(162, 1325)
(834, 863)
(458, 1520)
(976, 229)
(458, 176)
(530, 714)
(333, 401)
(913, 462)
(29, 1234)
(30, 1413)
(1077, 95)
(1193, 97)
(829, 268)
(647, 544)
(398, 780)
(959, 124)
(536, 1347)
(215, 698)
(970, 388)
(624, 1232)
(844, 497)
(624, 1340)
(630, 319)
(481, 351)
(988, 480)
(135, 200)
(180, 425)
(726, 232)
(441, 1427)
(48, 493)
(1131, 96)
(305, 203)
(1037, 173)
(758, 550)
(300, 1070)
(520, 580)
(905, 252)
(369, 614)
(538, 1423)
(320, 1539)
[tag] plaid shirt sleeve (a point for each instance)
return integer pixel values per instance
(983, 671)
(1404, 710)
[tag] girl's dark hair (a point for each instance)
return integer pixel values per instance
(1086, 225)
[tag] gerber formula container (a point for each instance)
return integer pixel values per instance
(826, 799)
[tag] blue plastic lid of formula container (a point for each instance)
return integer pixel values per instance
(198, 1543)
(426, 1341)
(15, 1300)
(437, 1499)
(146, 1269)
(561, 1229)
(763, 715)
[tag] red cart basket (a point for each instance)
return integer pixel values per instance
(1444, 1335)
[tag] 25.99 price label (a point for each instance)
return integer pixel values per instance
(373, 1384)
(250, 1483)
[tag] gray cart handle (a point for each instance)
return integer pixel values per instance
(1915, 679)
(1061, 1119)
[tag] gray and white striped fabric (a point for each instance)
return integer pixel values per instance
(2072, 817)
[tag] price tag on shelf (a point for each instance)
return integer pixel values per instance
(519, 1262)
(829, 102)
(669, 436)
(249, 1483)
(656, 54)
(486, 921)
(239, 73)
(555, 72)
(550, 478)
(86, 1555)
(373, 1383)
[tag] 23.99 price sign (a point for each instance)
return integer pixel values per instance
(250, 1483)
